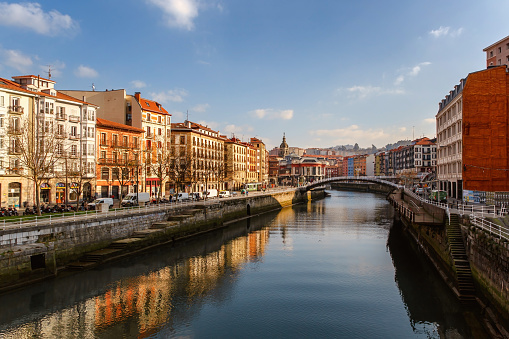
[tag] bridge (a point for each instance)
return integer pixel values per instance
(476, 212)
(383, 180)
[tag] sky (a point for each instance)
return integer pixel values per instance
(324, 73)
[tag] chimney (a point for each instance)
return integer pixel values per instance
(137, 95)
(84, 98)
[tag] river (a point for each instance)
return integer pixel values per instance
(335, 268)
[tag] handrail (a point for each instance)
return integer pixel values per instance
(490, 227)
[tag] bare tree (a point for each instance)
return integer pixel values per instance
(36, 146)
(180, 166)
(161, 163)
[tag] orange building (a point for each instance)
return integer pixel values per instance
(486, 130)
(119, 163)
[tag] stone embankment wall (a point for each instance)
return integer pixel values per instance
(35, 251)
(489, 261)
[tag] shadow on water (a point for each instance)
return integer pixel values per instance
(427, 298)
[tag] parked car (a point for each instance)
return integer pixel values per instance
(92, 205)
(224, 194)
(133, 199)
(183, 196)
(211, 193)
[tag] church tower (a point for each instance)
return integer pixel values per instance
(283, 148)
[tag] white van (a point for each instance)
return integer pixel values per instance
(132, 199)
(92, 205)
(224, 194)
(183, 196)
(211, 193)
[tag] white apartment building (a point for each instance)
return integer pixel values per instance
(73, 122)
(449, 141)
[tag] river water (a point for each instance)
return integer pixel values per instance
(335, 268)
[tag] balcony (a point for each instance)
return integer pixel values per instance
(61, 116)
(74, 136)
(47, 111)
(15, 109)
(14, 150)
(60, 135)
(14, 131)
(74, 118)
(149, 135)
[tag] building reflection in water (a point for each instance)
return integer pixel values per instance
(152, 299)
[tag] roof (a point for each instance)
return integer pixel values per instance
(8, 84)
(496, 43)
(33, 76)
(424, 141)
(152, 106)
(103, 123)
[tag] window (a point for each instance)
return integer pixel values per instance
(103, 155)
(74, 150)
(105, 173)
(2, 101)
(91, 132)
(125, 140)
(74, 131)
(114, 173)
(148, 115)
(103, 139)
(114, 142)
(135, 141)
(182, 139)
(159, 119)
(491, 54)
(91, 150)
(159, 132)
(500, 50)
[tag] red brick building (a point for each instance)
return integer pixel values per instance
(486, 130)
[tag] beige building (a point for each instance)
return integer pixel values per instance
(205, 149)
(236, 155)
(263, 160)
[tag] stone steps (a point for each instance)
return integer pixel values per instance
(464, 280)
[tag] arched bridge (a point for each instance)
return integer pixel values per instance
(384, 180)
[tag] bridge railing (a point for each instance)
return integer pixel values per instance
(490, 227)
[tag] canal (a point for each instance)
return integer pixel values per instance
(336, 268)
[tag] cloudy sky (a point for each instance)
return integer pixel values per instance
(324, 72)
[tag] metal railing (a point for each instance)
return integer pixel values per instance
(49, 219)
(501, 231)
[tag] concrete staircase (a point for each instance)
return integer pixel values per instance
(465, 282)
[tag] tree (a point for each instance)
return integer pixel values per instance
(180, 166)
(161, 164)
(36, 146)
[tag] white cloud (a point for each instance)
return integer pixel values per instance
(138, 84)
(16, 60)
(172, 95)
(85, 72)
(31, 16)
(446, 31)
(430, 121)
(414, 71)
(201, 108)
(238, 131)
(361, 92)
(343, 136)
(271, 114)
(178, 13)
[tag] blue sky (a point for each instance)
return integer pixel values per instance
(324, 72)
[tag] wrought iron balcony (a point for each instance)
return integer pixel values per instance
(74, 137)
(17, 109)
(61, 116)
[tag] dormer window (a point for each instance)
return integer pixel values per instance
(148, 105)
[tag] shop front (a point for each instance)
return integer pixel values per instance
(14, 195)
(45, 193)
(60, 193)
(153, 186)
(73, 191)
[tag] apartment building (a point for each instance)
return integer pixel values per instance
(202, 150)
(498, 53)
(236, 155)
(119, 154)
(139, 112)
(262, 160)
(16, 109)
(60, 127)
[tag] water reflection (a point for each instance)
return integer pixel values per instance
(335, 267)
(177, 280)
